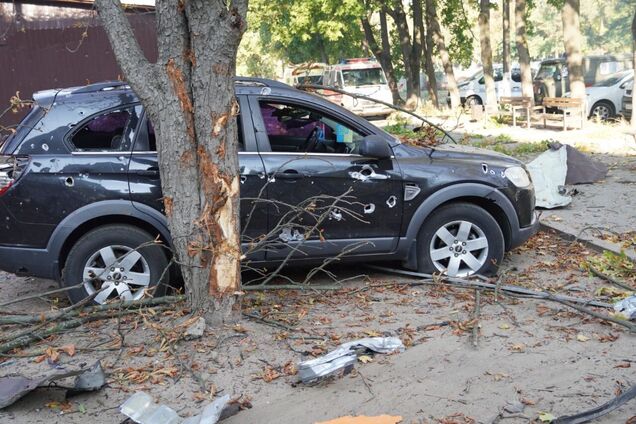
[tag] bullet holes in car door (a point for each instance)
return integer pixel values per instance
(312, 158)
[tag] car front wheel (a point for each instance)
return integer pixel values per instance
(118, 262)
(459, 240)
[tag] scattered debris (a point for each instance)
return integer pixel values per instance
(562, 165)
(345, 356)
(14, 387)
(142, 409)
(195, 330)
(627, 307)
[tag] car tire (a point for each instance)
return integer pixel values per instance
(460, 239)
(603, 110)
(109, 259)
(473, 101)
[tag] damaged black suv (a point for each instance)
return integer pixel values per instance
(80, 190)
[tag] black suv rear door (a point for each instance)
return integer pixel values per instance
(70, 169)
(145, 185)
(366, 220)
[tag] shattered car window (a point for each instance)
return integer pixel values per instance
(289, 127)
(105, 132)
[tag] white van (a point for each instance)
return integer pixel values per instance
(305, 73)
(359, 76)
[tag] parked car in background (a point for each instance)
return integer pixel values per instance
(552, 80)
(305, 73)
(472, 91)
(604, 99)
(359, 76)
(80, 191)
(626, 109)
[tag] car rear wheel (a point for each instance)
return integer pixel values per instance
(459, 240)
(602, 111)
(473, 101)
(118, 262)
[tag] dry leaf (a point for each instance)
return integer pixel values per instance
(623, 365)
(68, 349)
(546, 417)
(504, 326)
(365, 359)
(582, 338)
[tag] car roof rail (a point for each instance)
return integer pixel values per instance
(101, 86)
(259, 82)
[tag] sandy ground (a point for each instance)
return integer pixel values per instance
(536, 355)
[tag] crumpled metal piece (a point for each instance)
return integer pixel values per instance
(344, 356)
(14, 387)
(627, 307)
(142, 409)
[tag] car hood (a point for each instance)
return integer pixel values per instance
(459, 152)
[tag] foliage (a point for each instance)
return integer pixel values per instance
(253, 59)
(455, 19)
(308, 30)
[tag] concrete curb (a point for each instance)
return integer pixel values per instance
(591, 242)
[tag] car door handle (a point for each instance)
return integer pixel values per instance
(289, 174)
(150, 172)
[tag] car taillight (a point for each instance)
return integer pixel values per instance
(5, 182)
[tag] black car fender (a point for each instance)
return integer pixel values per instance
(105, 212)
(448, 194)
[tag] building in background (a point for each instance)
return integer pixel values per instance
(53, 44)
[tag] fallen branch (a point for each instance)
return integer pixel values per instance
(626, 324)
(40, 295)
(476, 318)
(292, 287)
(600, 410)
(56, 315)
(268, 322)
(572, 302)
(508, 289)
(610, 279)
(62, 326)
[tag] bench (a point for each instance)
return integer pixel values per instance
(518, 104)
(569, 106)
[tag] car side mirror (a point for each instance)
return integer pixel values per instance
(376, 147)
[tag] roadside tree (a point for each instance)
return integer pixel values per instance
(189, 95)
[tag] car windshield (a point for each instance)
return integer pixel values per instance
(359, 77)
(612, 79)
(547, 70)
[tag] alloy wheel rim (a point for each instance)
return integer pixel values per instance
(459, 249)
(602, 112)
(118, 273)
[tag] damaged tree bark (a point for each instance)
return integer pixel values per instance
(189, 96)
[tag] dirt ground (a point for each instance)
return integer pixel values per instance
(531, 356)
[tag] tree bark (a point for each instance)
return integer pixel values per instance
(505, 14)
(396, 11)
(572, 44)
(386, 52)
(633, 84)
(438, 39)
(486, 51)
(382, 54)
(522, 49)
(189, 96)
(427, 62)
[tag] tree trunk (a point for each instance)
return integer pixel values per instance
(505, 14)
(427, 62)
(522, 49)
(634, 85)
(572, 44)
(486, 51)
(383, 55)
(189, 95)
(386, 51)
(438, 39)
(411, 74)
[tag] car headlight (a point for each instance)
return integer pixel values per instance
(518, 176)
